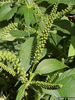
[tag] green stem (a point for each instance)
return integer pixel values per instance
(41, 94)
(32, 67)
(38, 23)
(29, 82)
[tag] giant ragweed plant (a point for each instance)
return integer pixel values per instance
(32, 52)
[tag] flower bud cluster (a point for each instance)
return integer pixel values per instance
(63, 12)
(8, 28)
(53, 77)
(12, 72)
(47, 85)
(22, 77)
(32, 29)
(51, 17)
(8, 56)
(38, 11)
(45, 32)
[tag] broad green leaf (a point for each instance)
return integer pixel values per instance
(65, 26)
(39, 1)
(20, 93)
(30, 1)
(9, 37)
(6, 12)
(21, 10)
(69, 2)
(72, 12)
(18, 33)
(51, 92)
(55, 38)
(43, 9)
(28, 15)
(10, 14)
(25, 53)
(67, 79)
(72, 47)
(62, 30)
(49, 65)
(4, 8)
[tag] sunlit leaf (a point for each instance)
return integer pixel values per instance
(72, 47)
(49, 65)
(25, 53)
(28, 14)
(20, 93)
(67, 79)
(6, 12)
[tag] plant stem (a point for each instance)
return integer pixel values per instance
(41, 94)
(28, 83)
(38, 23)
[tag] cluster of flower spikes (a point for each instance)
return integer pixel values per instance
(37, 11)
(31, 29)
(7, 69)
(63, 12)
(8, 56)
(46, 85)
(8, 28)
(48, 21)
(52, 78)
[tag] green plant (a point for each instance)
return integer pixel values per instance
(35, 58)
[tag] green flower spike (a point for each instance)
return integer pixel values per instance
(12, 72)
(8, 28)
(47, 85)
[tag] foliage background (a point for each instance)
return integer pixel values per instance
(21, 29)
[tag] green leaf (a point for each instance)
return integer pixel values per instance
(67, 79)
(30, 1)
(39, 1)
(21, 10)
(49, 65)
(28, 15)
(72, 47)
(9, 37)
(18, 33)
(20, 93)
(55, 39)
(6, 12)
(51, 92)
(10, 14)
(64, 26)
(25, 53)
(69, 2)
